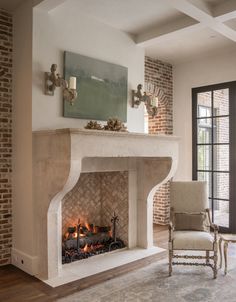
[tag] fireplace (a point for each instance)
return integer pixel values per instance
(60, 160)
(95, 216)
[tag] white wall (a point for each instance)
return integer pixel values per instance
(201, 72)
(40, 40)
(64, 28)
(23, 219)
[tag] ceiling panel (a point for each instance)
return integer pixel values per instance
(231, 24)
(10, 5)
(132, 16)
(183, 48)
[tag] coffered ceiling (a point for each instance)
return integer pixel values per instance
(171, 30)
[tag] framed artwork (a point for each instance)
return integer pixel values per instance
(101, 88)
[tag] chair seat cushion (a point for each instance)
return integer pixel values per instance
(192, 240)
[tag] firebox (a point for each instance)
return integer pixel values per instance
(95, 215)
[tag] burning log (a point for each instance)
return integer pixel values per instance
(86, 240)
(81, 242)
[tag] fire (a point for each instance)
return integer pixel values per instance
(86, 248)
(87, 225)
(75, 235)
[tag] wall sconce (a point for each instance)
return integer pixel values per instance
(53, 80)
(150, 100)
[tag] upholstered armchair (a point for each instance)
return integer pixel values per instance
(190, 226)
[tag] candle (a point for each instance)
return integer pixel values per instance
(155, 102)
(72, 83)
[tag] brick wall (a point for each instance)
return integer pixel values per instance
(5, 136)
(160, 74)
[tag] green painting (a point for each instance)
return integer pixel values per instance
(101, 88)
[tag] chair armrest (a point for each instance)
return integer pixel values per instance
(213, 226)
(171, 225)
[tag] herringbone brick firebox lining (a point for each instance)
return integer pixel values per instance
(95, 198)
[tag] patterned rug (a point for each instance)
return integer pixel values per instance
(151, 283)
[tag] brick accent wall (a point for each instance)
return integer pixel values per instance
(5, 137)
(160, 74)
(94, 199)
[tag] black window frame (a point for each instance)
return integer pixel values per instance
(232, 144)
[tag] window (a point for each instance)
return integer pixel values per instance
(214, 140)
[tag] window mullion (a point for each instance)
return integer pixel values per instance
(212, 155)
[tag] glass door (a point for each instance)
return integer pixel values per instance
(212, 148)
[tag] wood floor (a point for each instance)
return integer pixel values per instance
(17, 286)
(160, 236)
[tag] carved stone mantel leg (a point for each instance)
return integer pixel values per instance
(151, 174)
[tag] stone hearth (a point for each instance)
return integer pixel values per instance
(59, 158)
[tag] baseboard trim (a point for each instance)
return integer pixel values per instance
(25, 262)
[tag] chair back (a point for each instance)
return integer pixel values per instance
(189, 196)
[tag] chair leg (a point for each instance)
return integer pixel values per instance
(220, 249)
(225, 255)
(170, 261)
(215, 264)
(207, 257)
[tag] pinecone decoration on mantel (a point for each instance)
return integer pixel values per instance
(93, 125)
(113, 124)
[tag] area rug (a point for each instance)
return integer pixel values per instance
(151, 283)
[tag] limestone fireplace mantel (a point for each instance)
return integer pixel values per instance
(60, 156)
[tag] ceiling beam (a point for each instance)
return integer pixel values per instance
(203, 6)
(204, 17)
